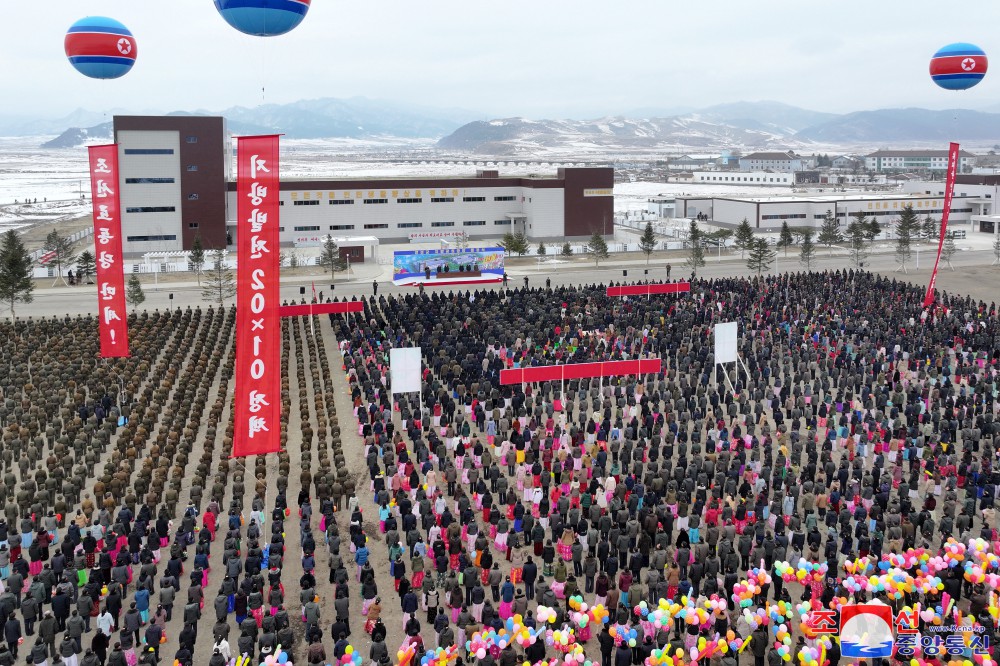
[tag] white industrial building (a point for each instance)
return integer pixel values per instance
(772, 161)
(486, 206)
(768, 213)
(981, 193)
(916, 160)
(770, 178)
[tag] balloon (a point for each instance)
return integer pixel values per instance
(283, 658)
(958, 66)
(263, 18)
(100, 47)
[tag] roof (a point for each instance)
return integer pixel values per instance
(770, 156)
(917, 153)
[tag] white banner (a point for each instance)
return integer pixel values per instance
(726, 335)
(404, 369)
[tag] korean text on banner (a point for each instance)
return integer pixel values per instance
(112, 318)
(949, 192)
(258, 325)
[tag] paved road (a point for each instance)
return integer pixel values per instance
(972, 274)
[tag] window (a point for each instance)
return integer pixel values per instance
(500, 222)
(409, 225)
(474, 223)
(149, 151)
(472, 199)
(192, 225)
(311, 202)
(192, 167)
(192, 197)
(341, 227)
(410, 200)
(148, 181)
(191, 139)
(376, 226)
(509, 197)
(442, 199)
(442, 224)
(151, 209)
(376, 201)
(148, 239)
(281, 203)
(306, 228)
(341, 202)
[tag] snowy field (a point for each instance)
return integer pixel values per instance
(57, 177)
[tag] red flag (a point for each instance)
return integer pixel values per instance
(949, 191)
(315, 299)
(258, 327)
(111, 314)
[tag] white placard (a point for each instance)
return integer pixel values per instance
(725, 342)
(404, 369)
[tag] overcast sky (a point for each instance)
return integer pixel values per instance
(535, 58)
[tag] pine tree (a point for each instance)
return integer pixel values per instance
(785, 239)
(761, 256)
(219, 282)
(61, 249)
(948, 250)
(829, 233)
(508, 242)
(520, 247)
(598, 247)
(16, 284)
(873, 228)
(330, 258)
(807, 255)
(647, 242)
(567, 249)
(134, 294)
(907, 227)
(197, 257)
(744, 237)
(929, 229)
(541, 250)
(86, 266)
(857, 240)
(696, 251)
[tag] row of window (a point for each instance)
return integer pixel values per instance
(145, 239)
(410, 200)
(148, 181)
(798, 216)
(151, 209)
(404, 225)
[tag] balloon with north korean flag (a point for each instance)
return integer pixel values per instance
(958, 66)
(263, 18)
(100, 47)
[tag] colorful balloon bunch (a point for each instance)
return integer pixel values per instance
(623, 634)
(351, 656)
(440, 656)
(564, 640)
(284, 659)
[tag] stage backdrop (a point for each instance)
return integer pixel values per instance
(412, 263)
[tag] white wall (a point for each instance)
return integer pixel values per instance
(150, 195)
(544, 208)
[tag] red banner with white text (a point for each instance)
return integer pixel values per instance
(949, 192)
(258, 326)
(112, 317)
(648, 289)
(555, 373)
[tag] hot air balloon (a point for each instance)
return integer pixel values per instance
(100, 47)
(958, 66)
(263, 18)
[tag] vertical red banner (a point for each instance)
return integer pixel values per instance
(949, 192)
(258, 326)
(112, 318)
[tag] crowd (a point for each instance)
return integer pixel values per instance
(864, 429)
(698, 514)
